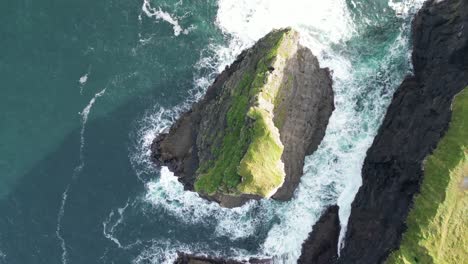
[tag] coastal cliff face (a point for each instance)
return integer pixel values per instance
(247, 138)
(416, 120)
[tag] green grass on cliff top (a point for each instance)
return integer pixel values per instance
(261, 168)
(247, 138)
(438, 222)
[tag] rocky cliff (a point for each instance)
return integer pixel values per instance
(194, 259)
(247, 138)
(416, 120)
(321, 247)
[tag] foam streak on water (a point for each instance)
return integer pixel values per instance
(108, 227)
(84, 119)
(76, 171)
(363, 90)
(58, 229)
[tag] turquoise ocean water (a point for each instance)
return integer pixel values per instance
(86, 85)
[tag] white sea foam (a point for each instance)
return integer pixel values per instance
(84, 79)
(405, 8)
(169, 194)
(58, 229)
(320, 22)
(159, 14)
(332, 173)
(114, 219)
(161, 252)
(164, 251)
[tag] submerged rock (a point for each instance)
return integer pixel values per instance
(416, 120)
(247, 138)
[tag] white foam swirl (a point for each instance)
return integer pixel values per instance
(158, 14)
(109, 226)
(58, 229)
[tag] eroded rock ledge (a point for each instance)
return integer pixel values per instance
(247, 138)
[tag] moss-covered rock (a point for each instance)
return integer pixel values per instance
(250, 133)
(249, 158)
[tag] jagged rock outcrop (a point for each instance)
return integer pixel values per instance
(193, 259)
(415, 122)
(247, 138)
(321, 247)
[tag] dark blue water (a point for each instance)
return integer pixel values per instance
(86, 85)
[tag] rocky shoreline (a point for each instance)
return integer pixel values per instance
(194, 259)
(248, 137)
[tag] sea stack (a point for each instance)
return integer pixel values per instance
(248, 137)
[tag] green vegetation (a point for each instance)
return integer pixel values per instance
(261, 168)
(249, 159)
(438, 223)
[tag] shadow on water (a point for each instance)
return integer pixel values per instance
(29, 214)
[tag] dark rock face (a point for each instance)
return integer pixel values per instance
(309, 105)
(416, 120)
(321, 247)
(193, 259)
(301, 117)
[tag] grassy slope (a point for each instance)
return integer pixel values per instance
(438, 223)
(248, 151)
